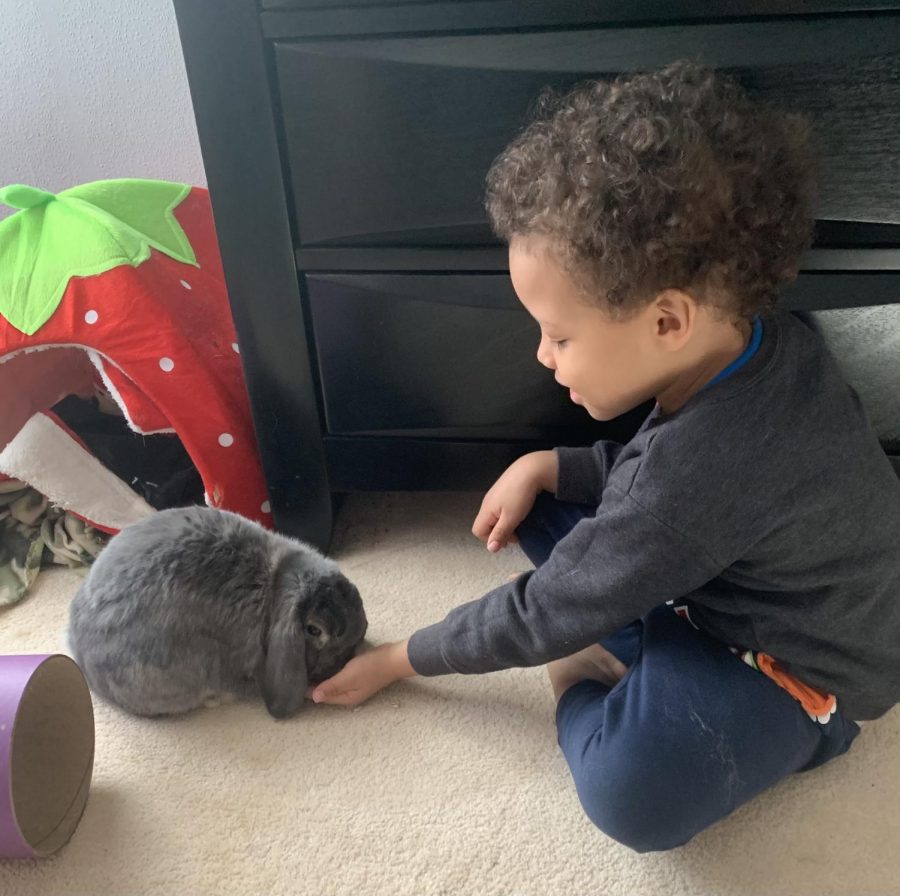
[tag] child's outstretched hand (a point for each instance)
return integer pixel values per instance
(366, 674)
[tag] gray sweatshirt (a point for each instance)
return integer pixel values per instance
(765, 503)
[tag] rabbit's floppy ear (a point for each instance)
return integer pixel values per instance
(284, 678)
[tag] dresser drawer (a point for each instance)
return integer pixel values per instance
(388, 140)
(437, 356)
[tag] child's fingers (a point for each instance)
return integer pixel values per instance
(330, 690)
(347, 687)
(338, 698)
(318, 693)
(484, 524)
(499, 536)
(350, 693)
(327, 692)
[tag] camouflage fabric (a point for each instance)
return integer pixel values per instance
(35, 534)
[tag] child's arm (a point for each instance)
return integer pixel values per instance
(571, 474)
(608, 571)
(583, 471)
(365, 675)
(511, 497)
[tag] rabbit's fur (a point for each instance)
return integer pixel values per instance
(196, 605)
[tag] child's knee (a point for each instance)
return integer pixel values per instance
(634, 807)
(626, 819)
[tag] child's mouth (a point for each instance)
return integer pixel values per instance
(574, 396)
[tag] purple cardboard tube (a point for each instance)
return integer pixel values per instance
(46, 753)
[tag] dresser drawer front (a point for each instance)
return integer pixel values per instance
(388, 140)
(449, 356)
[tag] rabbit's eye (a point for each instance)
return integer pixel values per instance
(314, 631)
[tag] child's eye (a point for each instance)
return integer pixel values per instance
(560, 343)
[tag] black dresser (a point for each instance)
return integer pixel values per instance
(346, 144)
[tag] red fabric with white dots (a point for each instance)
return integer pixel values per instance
(163, 338)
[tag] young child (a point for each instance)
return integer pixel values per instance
(718, 601)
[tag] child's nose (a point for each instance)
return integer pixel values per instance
(544, 355)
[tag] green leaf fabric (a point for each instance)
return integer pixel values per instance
(81, 232)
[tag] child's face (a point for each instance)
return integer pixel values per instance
(608, 366)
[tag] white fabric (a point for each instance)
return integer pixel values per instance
(100, 363)
(46, 457)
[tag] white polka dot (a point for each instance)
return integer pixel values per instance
(235, 348)
(91, 317)
(185, 284)
(167, 364)
(265, 507)
(226, 439)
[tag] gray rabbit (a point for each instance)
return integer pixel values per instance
(195, 605)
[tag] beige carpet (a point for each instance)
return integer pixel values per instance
(448, 786)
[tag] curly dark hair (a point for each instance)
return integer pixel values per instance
(668, 179)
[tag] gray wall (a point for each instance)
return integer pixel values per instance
(93, 89)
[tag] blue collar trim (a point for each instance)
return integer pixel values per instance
(747, 354)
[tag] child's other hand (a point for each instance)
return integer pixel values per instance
(365, 675)
(512, 496)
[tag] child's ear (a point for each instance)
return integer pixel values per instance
(674, 316)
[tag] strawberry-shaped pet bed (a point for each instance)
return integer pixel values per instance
(120, 281)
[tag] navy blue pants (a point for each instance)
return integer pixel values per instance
(688, 735)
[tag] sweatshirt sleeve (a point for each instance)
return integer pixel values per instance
(608, 571)
(583, 471)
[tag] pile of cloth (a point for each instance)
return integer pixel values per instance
(35, 534)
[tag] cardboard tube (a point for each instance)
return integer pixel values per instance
(46, 753)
